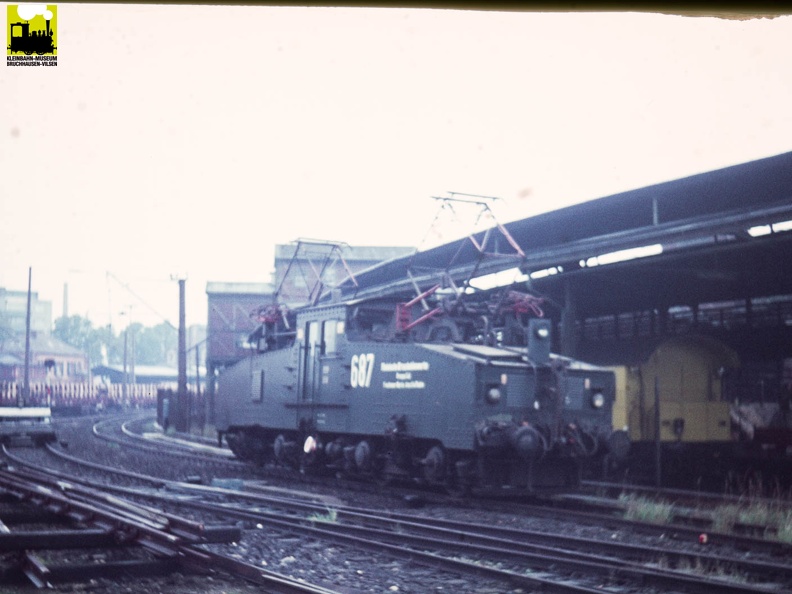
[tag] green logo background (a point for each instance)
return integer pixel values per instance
(37, 23)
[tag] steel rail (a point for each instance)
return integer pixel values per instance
(675, 530)
(549, 585)
(194, 447)
(86, 491)
(455, 529)
(401, 542)
(695, 497)
(681, 515)
(535, 540)
(681, 531)
(215, 459)
(162, 540)
(478, 541)
(481, 541)
(24, 487)
(678, 530)
(494, 535)
(274, 582)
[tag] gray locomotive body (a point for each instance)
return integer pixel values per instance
(347, 395)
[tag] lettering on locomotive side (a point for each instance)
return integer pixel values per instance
(413, 385)
(402, 366)
(361, 369)
(403, 375)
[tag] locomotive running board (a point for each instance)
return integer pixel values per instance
(487, 352)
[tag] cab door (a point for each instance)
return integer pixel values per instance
(309, 391)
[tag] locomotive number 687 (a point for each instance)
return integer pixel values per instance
(473, 400)
(361, 369)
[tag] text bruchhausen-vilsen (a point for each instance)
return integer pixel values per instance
(31, 60)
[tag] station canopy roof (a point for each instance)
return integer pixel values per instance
(720, 235)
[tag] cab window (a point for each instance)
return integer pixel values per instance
(329, 336)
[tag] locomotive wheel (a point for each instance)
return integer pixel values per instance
(283, 450)
(384, 479)
(589, 443)
(28, 53)
(311, 453)
(434, 465)
(458, 480)
(278, 448)
(363, 456)
(456, 489)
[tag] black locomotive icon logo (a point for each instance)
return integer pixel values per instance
(36, 35)
(30, 42)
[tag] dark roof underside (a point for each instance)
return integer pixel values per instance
(701, 222)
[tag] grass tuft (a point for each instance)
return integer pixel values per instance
(646, 510)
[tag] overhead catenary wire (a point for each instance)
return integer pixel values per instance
(139, 298)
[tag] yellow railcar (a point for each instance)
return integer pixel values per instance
(685, 376)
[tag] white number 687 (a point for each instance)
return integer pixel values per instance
(361, 369)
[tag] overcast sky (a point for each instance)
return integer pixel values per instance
(191, 139)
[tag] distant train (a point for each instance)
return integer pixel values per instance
(688, 374)
(706, 429)
(26, 424)
(464, 394)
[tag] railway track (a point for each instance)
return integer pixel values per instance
(107, 521)
(748, 515)
(515, 557)
(485, 550)
(693, 514)
(691, 498)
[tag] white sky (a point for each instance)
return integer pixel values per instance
(191, 139)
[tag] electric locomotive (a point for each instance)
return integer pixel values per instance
(463, 394)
